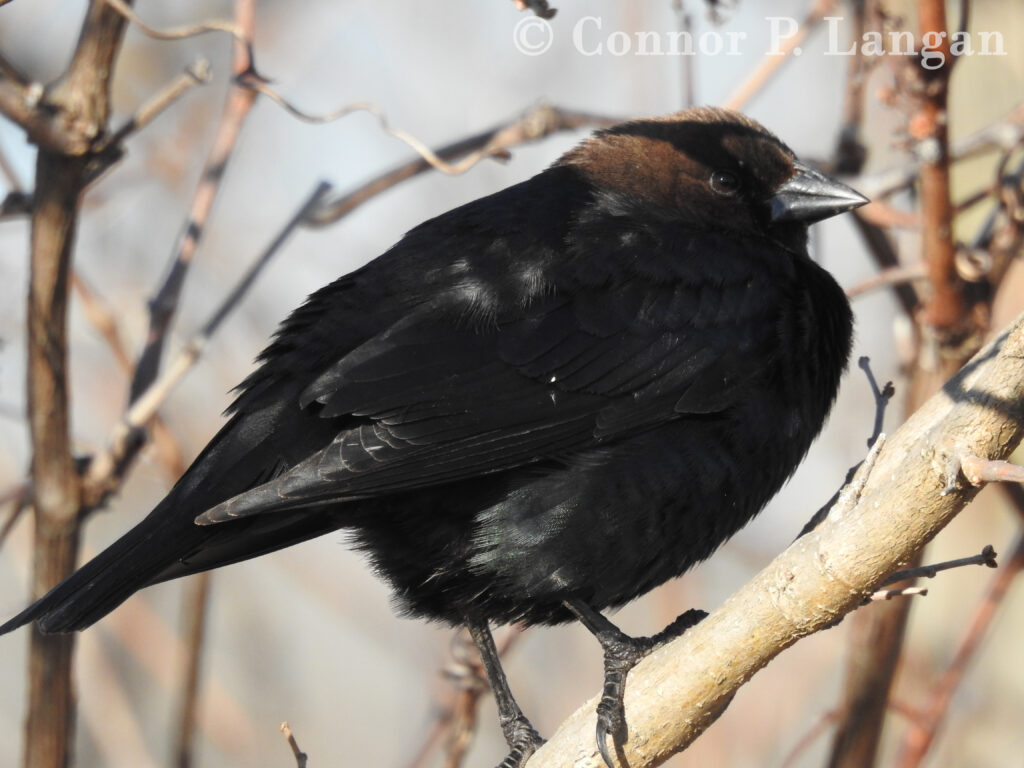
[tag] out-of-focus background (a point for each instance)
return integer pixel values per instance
(307, 635)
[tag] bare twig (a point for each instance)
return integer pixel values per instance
(882, 214)
(196, 73)
(889, 594)
(11, 73)
(848, 494)
(885, 257)
(301, 757)
(888, 278)
(104, 320)
(809, 738)
(926, 726)
(163, 306)
(101, 316)
(987, 558)
(105, 471)
(425, 152)
(17, 498)
(978, 470)
(771, 64)
(106, 468)
(535, 124)
(13, 181)
(882, 396)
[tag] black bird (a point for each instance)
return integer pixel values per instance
(537, 406)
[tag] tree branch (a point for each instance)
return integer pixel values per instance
(80, 104)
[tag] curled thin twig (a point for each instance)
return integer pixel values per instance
(189, 30)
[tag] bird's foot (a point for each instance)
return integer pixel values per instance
(621, 654)
(523, 740)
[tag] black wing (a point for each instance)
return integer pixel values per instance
(438, 399)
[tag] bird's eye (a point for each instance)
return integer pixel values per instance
(724, 182)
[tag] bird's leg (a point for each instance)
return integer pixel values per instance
(522, 739)
(621, 654)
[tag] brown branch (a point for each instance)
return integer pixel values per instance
(197, 597)
(164, 305)
(679, 690)
(771, 64)
(106, 469)
(80, 107)
(944, 310)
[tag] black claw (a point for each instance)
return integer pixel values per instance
(620, 657)
(602, 744)
(621, 654)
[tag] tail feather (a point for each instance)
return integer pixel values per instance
(166, 545)
(106, 581)
(255, 445)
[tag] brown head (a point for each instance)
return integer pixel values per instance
(714, 167)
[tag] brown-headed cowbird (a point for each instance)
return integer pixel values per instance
(537, 406)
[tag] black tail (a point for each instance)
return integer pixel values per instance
(106, 581)
(165, 545)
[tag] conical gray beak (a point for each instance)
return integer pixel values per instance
(811, 196)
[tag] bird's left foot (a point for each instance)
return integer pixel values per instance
(523, 740)
(621, 654)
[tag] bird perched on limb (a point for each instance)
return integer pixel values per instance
(534, 407)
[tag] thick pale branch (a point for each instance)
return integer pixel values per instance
(676, 693)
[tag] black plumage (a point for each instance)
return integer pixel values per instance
(536, 406)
